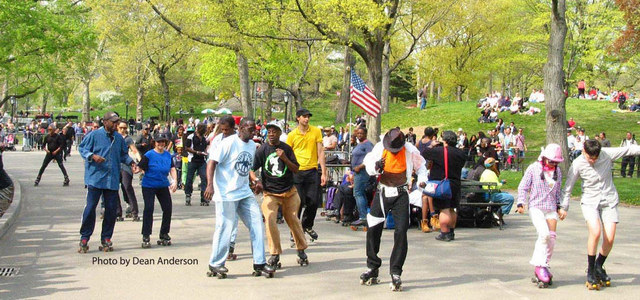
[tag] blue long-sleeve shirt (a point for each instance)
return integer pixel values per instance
(105, 175)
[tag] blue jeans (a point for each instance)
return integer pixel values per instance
(111, 200)
(423, 103)
(227, 213)
(192, 168)
(503, 198)
(360, 181)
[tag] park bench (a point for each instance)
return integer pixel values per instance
(472, 187)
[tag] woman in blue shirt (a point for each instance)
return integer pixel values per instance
(157, 165)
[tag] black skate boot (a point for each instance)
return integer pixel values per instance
(119, 219)
(232, 256)
(204, 203)
(396, 283)
(220, 272)
(369, 277)
(135, 218)
(312, 233)
(274, 261)
(601, 276)
(84, 246)
(592, 281)
(302, 258)
(146, 241)
(165, 240)
(106, 245)
(187, 200)
(65, 182)
(263, 270)
(37, 182)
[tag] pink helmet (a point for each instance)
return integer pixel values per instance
(552, 152)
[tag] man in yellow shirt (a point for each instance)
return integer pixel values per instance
(306, 142)
(491, 174)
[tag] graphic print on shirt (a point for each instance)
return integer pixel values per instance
(243, 163)
(273, 166)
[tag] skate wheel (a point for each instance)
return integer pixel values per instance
(551, 281)
(221, 275)
(269, 275)
(322, 214)
(534, 280)
(361, 282)
(540, 284)
(279, 266)
(608, 283)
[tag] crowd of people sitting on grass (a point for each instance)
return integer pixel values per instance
(495, 103)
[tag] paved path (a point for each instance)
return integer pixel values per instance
(480, 264)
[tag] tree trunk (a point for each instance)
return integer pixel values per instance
(296, 93)
(65, 98)
(343, 102)
(556, 119)
(165, 95)
(45, 99)
(432, 87)
(386, 74)
(245, 85)
(459, 93)
(374, 67)
(267, 108)
(439, 92)
(139, 103)
(5, 91)
(86, 101)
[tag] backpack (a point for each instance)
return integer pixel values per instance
(331, 194)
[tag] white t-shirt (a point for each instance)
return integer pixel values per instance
(215, 142)
(235, 160)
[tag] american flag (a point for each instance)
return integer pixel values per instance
(362, 96)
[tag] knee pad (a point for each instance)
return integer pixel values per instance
(544, 237)
(552, 238)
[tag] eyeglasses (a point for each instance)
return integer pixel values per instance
(122, 127)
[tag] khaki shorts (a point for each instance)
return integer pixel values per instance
(602, 211)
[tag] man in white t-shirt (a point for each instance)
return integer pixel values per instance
(230, 189)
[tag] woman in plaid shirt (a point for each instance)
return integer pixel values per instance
(543, 182)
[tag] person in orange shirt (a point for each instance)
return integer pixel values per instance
(394, 161)
(306, 142)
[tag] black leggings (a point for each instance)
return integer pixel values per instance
(164, 197)
(47, 159)
(128, 192)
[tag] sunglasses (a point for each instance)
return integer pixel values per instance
(122, 127)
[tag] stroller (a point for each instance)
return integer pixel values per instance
(10, 140)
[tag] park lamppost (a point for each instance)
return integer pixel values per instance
(286, 106)
(126, 110)
(13, 108)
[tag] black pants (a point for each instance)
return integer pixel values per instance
(399, 208)
(627, 160)
(47, 159)
(308, 185)
(67, 148)
(344, 198)
(128, 192)
(164, 197)
(192, 168)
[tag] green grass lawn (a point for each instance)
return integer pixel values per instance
(594, 116)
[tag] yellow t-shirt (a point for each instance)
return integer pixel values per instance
(305, 147)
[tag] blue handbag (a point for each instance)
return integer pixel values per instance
(440, 189)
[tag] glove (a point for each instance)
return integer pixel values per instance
(380, 165)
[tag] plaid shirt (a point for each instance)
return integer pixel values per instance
(541, 195)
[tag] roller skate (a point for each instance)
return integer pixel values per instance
(84, 246)
(302, 258)
(293, 242)
(274, 261)
(165, 240)
(65, 182)
(592, 282)
(231, 255)
(369, 277)
(601, 276)
(106, 245)
(220, 272)
(359, 224)
(135, 219)
(119, 219)
(37, 182)
(146, 241)
(263, 270)
(187, 200)
(542, 277)
(204, 203)
(396, 283)
(312, 234)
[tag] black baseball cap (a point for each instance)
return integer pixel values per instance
(303, 112)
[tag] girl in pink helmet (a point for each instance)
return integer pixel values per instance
(543, 182)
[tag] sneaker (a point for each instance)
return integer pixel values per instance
(444, 237)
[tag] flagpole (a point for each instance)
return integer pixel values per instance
(350, 130)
